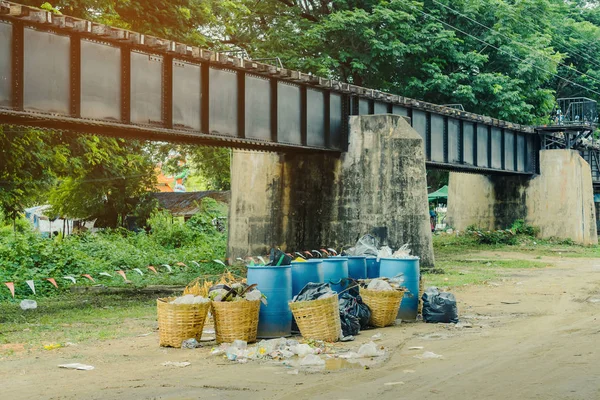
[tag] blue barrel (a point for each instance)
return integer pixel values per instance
(372, 267)
(357, 267)
(304, 272)
(335, 269)
(390, 267)
(275, 319)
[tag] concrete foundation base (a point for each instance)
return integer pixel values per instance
(307, 201)
(559, 201)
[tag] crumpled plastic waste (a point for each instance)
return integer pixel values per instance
(428, 355)
(177, 364)
(365, 246)
(190, 299)
(77, 366)
(28, 305)
(275, 349)
(379, 285)
(311, 360)
(314, 291)
(190, 344)
(366, 350)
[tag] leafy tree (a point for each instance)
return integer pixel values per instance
(105, 179)
(28, 163)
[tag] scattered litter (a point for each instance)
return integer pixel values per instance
(416, 348)
(463, 325)
(144, 334)
(176, 364)
(293, 372)
(77, 366)
(510, 302)
(311, 360)
(28, 305)
(69, 344)
(207, 338)
(369, 350)
(594, 300)
(52, 346)
(519, 283)
(393, 383)
(428, 355)
(349, 338)
(190, 344)
(409, 371)
(376, 336)
(493, 284)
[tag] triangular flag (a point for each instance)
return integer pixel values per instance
(52, 281)
(11, 287)
(31, 285)
(180, 264)
(105, 274)
(89, 277)
(220, 262)
(196, 264)
(69, 277)
(139, 271)
(122, 273)
(151, 268)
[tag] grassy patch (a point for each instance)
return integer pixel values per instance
(474, 271)
(76, 319)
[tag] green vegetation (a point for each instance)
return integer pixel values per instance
(27, 255)
(75, 319)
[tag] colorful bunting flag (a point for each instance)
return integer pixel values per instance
(105, 274)
(220, 262)
(69, 277)
(151, 268)
(167, 266)
(89, 277)
(139, 271)
(31, 285)
(122, 273)
(11, 287)
(52, 281)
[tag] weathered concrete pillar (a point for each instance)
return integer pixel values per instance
(307, 201)
(559, 201)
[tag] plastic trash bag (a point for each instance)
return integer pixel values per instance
(366, 246)
(277, 255)
(439, 306)
(354, 314)
(314, 291)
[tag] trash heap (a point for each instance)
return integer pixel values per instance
(291, 352)
(189, 299)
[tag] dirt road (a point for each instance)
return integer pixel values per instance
(533, 335)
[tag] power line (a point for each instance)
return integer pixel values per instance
(513, 40)
(505, 52)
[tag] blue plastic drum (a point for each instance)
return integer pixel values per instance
(335, 271)
(372, 267)
(304, 272)
(274, 319)
(357, 267)
(409, 267)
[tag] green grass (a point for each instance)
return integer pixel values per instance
(76, 319)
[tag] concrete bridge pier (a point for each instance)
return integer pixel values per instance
(301, 201)
(559, 201)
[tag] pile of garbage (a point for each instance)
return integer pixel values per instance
(236, 292)
(368, 245)
(190, 299)
(383, 284)
(291, 352)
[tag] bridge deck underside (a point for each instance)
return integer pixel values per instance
(57, 77)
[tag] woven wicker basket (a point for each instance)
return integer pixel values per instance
(384, 305)
(178, 322)
(236, 320)
(318, 319)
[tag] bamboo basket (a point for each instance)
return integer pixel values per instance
(236, 320)
(318, 319)
(179, 322)
(384, 305)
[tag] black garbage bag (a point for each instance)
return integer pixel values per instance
(312, 291)
(353, 308)
(276, 255)
(439, 306)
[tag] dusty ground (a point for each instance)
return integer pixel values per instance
(534, 335)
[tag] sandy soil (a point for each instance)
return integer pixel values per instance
(533, 335)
